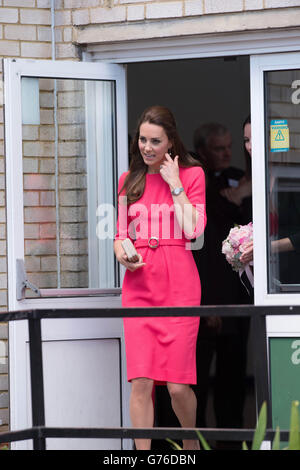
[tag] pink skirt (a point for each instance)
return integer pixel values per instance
(162, 348)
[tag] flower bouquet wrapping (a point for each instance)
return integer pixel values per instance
(233, 247)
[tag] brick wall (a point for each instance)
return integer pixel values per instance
(87, 12)
(108, 21)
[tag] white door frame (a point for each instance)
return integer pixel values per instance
(268, 50)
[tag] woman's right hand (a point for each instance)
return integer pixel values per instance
(132, 266)
(123, 258)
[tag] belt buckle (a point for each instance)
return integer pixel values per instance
(150, 244)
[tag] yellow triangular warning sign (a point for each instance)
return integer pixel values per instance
(279, 136)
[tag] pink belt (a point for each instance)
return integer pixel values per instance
(154, 242)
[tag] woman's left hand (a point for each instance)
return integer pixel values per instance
(169, 170)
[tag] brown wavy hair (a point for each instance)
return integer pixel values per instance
(134, 184)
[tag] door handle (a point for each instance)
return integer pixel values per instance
(22, 282)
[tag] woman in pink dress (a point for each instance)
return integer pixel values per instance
(161, 208)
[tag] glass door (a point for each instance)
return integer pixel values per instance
(66, 145)
(275, 113)
(275, 110)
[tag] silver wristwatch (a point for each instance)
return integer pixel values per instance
(177, 191)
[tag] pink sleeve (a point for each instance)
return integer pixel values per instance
(196, 195)
(122, 219)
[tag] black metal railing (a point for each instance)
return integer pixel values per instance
(39, 432)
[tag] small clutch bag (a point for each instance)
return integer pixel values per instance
(130, 250)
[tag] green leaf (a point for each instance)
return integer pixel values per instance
(203, 441)
(244, 446)
(294, 441)
(261, 428)
(174, 444)
(276, 441)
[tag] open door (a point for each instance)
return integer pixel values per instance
(275, 109)
(66, 145)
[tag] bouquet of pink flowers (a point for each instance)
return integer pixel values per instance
(234, 245)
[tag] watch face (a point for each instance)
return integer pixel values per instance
(177, 191)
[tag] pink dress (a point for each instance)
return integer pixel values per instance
(162, 348)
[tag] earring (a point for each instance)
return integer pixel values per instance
(170, 152)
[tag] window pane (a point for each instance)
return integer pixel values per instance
(283, 179)
(68, 173)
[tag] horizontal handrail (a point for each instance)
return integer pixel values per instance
(43, 432)
(120, 312)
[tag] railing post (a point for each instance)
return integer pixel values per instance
(37, 381)
(260, 359)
